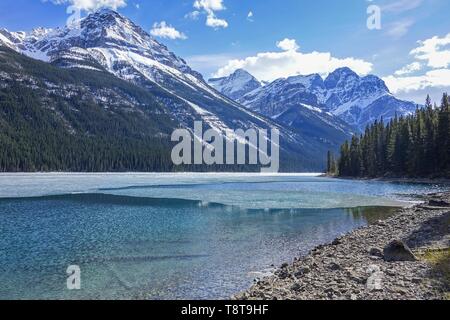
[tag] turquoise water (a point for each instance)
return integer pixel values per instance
(187, 236)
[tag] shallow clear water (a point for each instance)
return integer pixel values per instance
(162, 236)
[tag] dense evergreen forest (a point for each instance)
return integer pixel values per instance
(412, 146)
(53, 119)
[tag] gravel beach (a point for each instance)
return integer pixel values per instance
(405, 257)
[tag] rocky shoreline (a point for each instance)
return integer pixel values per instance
(405, 257)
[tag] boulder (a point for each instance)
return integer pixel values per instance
(438, 203)
(398, 251)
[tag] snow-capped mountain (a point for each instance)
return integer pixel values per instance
(107, 37)
(235, 85)
(356, 100)
(362, 100)
(277, 101)
(295, 103)
(106, 41)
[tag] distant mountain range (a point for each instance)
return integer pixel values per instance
(356, 101)
(136, 87)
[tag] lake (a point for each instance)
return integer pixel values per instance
(173, 236)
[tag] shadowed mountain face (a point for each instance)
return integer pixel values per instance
(343, 96)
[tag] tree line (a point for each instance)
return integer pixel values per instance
(407, 146)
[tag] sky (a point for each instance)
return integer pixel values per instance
(406, 42)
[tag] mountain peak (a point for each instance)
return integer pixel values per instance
(110, 39)
(344, 71)
(340, 76)
(106, 13)
(237, 84)
(242, 72)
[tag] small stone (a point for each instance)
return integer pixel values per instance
(296, 287)
(401, 291)
(302, 271)
(373, 268)
(380, 223)
(390, 273)
(376, 252)
(334, 266)
(416, 280)
(283, 274)
(336, 242)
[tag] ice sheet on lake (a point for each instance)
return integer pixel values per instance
(248, 191)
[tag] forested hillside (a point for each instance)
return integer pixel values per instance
(413, 146)
(84, 120)
(53, 119)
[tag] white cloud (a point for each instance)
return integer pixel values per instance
(92, 5)
(400, 28)
(269, 66)
(163, 30)
(207, 64)
(288, 45)
(214, 22)
(192, 15)
(401, 5)
(209, 7)
(431, 79)
(410, 68)
(434, 52)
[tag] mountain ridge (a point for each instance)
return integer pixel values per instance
(357, 100)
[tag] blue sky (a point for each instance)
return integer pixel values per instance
(218, 36)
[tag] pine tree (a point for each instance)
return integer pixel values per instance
(443, 132)
(416, 145)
